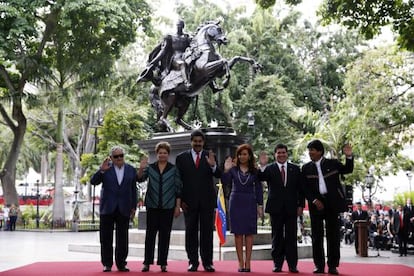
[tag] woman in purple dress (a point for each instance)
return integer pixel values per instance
(246, 201)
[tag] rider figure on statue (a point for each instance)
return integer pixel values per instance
(166, 61)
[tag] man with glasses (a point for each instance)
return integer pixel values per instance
(117, 206)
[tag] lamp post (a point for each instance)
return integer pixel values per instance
(37, 204)
(95, 151)
(369, 181)
(250, 121)
(409, 176)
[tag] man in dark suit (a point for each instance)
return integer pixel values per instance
(409, 216)
(400, 224)
(326, 199)
(117, 206)
(358, 214)
(197, 168)
(285, 203)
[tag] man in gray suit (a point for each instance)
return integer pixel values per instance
(117, 206)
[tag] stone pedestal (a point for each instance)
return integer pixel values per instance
(222, 140)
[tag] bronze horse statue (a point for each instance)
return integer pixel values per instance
(203, 65)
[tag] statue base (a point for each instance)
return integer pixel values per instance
(222, 140)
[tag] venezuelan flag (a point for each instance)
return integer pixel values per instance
(221, 223)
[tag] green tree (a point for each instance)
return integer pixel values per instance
(376, 114)
(59, 44)
(370, 16)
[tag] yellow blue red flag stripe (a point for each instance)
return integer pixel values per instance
(221, 222)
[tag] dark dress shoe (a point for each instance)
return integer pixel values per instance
(247, 270)
(240, 270)
(123, 269)
(333, 271)
(145, 268)
(192, 268)
(107, 268)
(209, 268)
(163, 268)
(318, 270)
(293, 270)
(277, 269)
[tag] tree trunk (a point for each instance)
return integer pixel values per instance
(58, 201)
(8, 174)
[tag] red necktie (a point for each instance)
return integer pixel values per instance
(197, 162)
(283, 174)
(401, 221)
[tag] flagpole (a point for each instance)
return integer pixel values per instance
(219, 251)
(220, 220)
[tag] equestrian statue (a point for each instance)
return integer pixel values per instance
(181, 66)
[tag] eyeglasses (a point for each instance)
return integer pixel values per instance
(118, 156)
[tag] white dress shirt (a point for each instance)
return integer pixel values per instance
(322, 185)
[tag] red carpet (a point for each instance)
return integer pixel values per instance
(222, 268)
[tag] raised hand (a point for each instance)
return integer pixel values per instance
(211, 158)
(347, 150)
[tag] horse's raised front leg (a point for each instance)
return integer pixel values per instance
(256, 66)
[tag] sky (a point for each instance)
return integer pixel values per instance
(165, 7)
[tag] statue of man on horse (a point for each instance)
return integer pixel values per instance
(181, 66)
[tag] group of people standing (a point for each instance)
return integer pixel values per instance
(8, 217)
(189, 186)
(396, 225)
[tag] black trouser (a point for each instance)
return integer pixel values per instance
(106, 229)
(284, 239)
(13, 220)
(158, 220)
(199, 218)
(402, 241)
(332, 225)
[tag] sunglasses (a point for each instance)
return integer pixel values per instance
(118, 156)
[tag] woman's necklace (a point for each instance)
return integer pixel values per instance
(239, 172)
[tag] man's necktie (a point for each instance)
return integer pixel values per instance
(283, 174)
(197, 162)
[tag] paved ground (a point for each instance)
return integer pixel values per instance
(19, 248)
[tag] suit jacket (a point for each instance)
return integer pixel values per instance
(362, 216)
(113, 195)
(198, 186)
(396, 223)
(331, 170)
(408, 214)
(280, 198)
